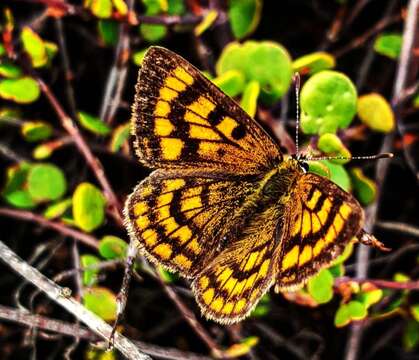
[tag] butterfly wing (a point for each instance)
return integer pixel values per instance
(233, 283)
(178, 219)
(320, 221)
(181, 120)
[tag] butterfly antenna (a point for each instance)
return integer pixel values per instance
(370, 157)
(297, 82)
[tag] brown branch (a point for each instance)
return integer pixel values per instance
(73, 330)
(61, 297)
(59, 227)
(190, 318)
(81, 144)
(354, 341)
(361, 40)
(384, 284)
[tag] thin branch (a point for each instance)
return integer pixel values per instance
(60, 296)
(81, 144)
(61, 228)
(384, 284)
(116, 79)
(73, 330)
(354, 341)
(399, 227)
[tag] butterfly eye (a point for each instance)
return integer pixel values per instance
(304, 166)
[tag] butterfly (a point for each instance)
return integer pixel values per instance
(224, 207)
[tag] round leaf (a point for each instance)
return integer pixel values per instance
(88, 207)
(101, 301)
(231, 82)
(34, 131)
(315, 62)
(46, 182)
(389, 45)
(320, 287)
(375, 112)
(339, 175)
(93, 124)
(328, 102)
(57, 209)
(90, 276)
(112, 247)
(331, 145)
(244, 16)
(266, 62)
(14, 191)
(23, 90)
(364, 188)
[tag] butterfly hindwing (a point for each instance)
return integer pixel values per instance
(178, 218)
(321, 221)
(232, 284)
(181, 120)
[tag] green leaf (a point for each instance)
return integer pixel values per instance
(14, 191)
(46, 182)
(328, 102)
(88, 207)
(2, 50)
(364, 188)
(112, 247)
(167, 276)
(58, 208)
(249, 101)
(353, 310)
(93, 353)
(34, 131)
(411, 335)
(231, 82)
(266, 62)
(100, 301)
(389, 45)
(153, 33)
(121, 7)
(319, 168)
(90, 277)
(315, 62)
(51, 49)
(22, 90)
(93, 124)
(345, 255)
(108, 31)
(414, 309)
(42, 151)
(416, 102)
(9, 70)
(119, 136)
(244, 16)
(370, 297)
(34, 47)
(138, 57)
(263, 307)
(101, 8)
(332, 145)
(242, 348)
(320, 287)
(375, 112)
(339, 175)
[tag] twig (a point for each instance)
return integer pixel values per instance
(116, 79)
(361, 40)
(81, 144)
(189, 316)
(399, 227)
(385, 284)
(61, 228)
(10, 154)
(58, 295)
(68, 74)
(73, 330)
(353, 344)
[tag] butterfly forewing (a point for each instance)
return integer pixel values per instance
(181, 120)
(179, 218)
(321, 221)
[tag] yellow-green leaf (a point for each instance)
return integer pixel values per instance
(376, 112)
(22, 90)
(34, 47)
(312, 63)
(101, 301)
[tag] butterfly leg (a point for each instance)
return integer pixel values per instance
(122, 296)
(370, 240)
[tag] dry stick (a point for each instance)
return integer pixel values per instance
(92, 161)
(116, 79)
(409, 33)
(360, 40)
(191, 319)
(57, 294)
(399, 227)
(61, 228)
(73, 330)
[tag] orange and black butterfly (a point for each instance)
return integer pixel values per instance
(224, 207)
